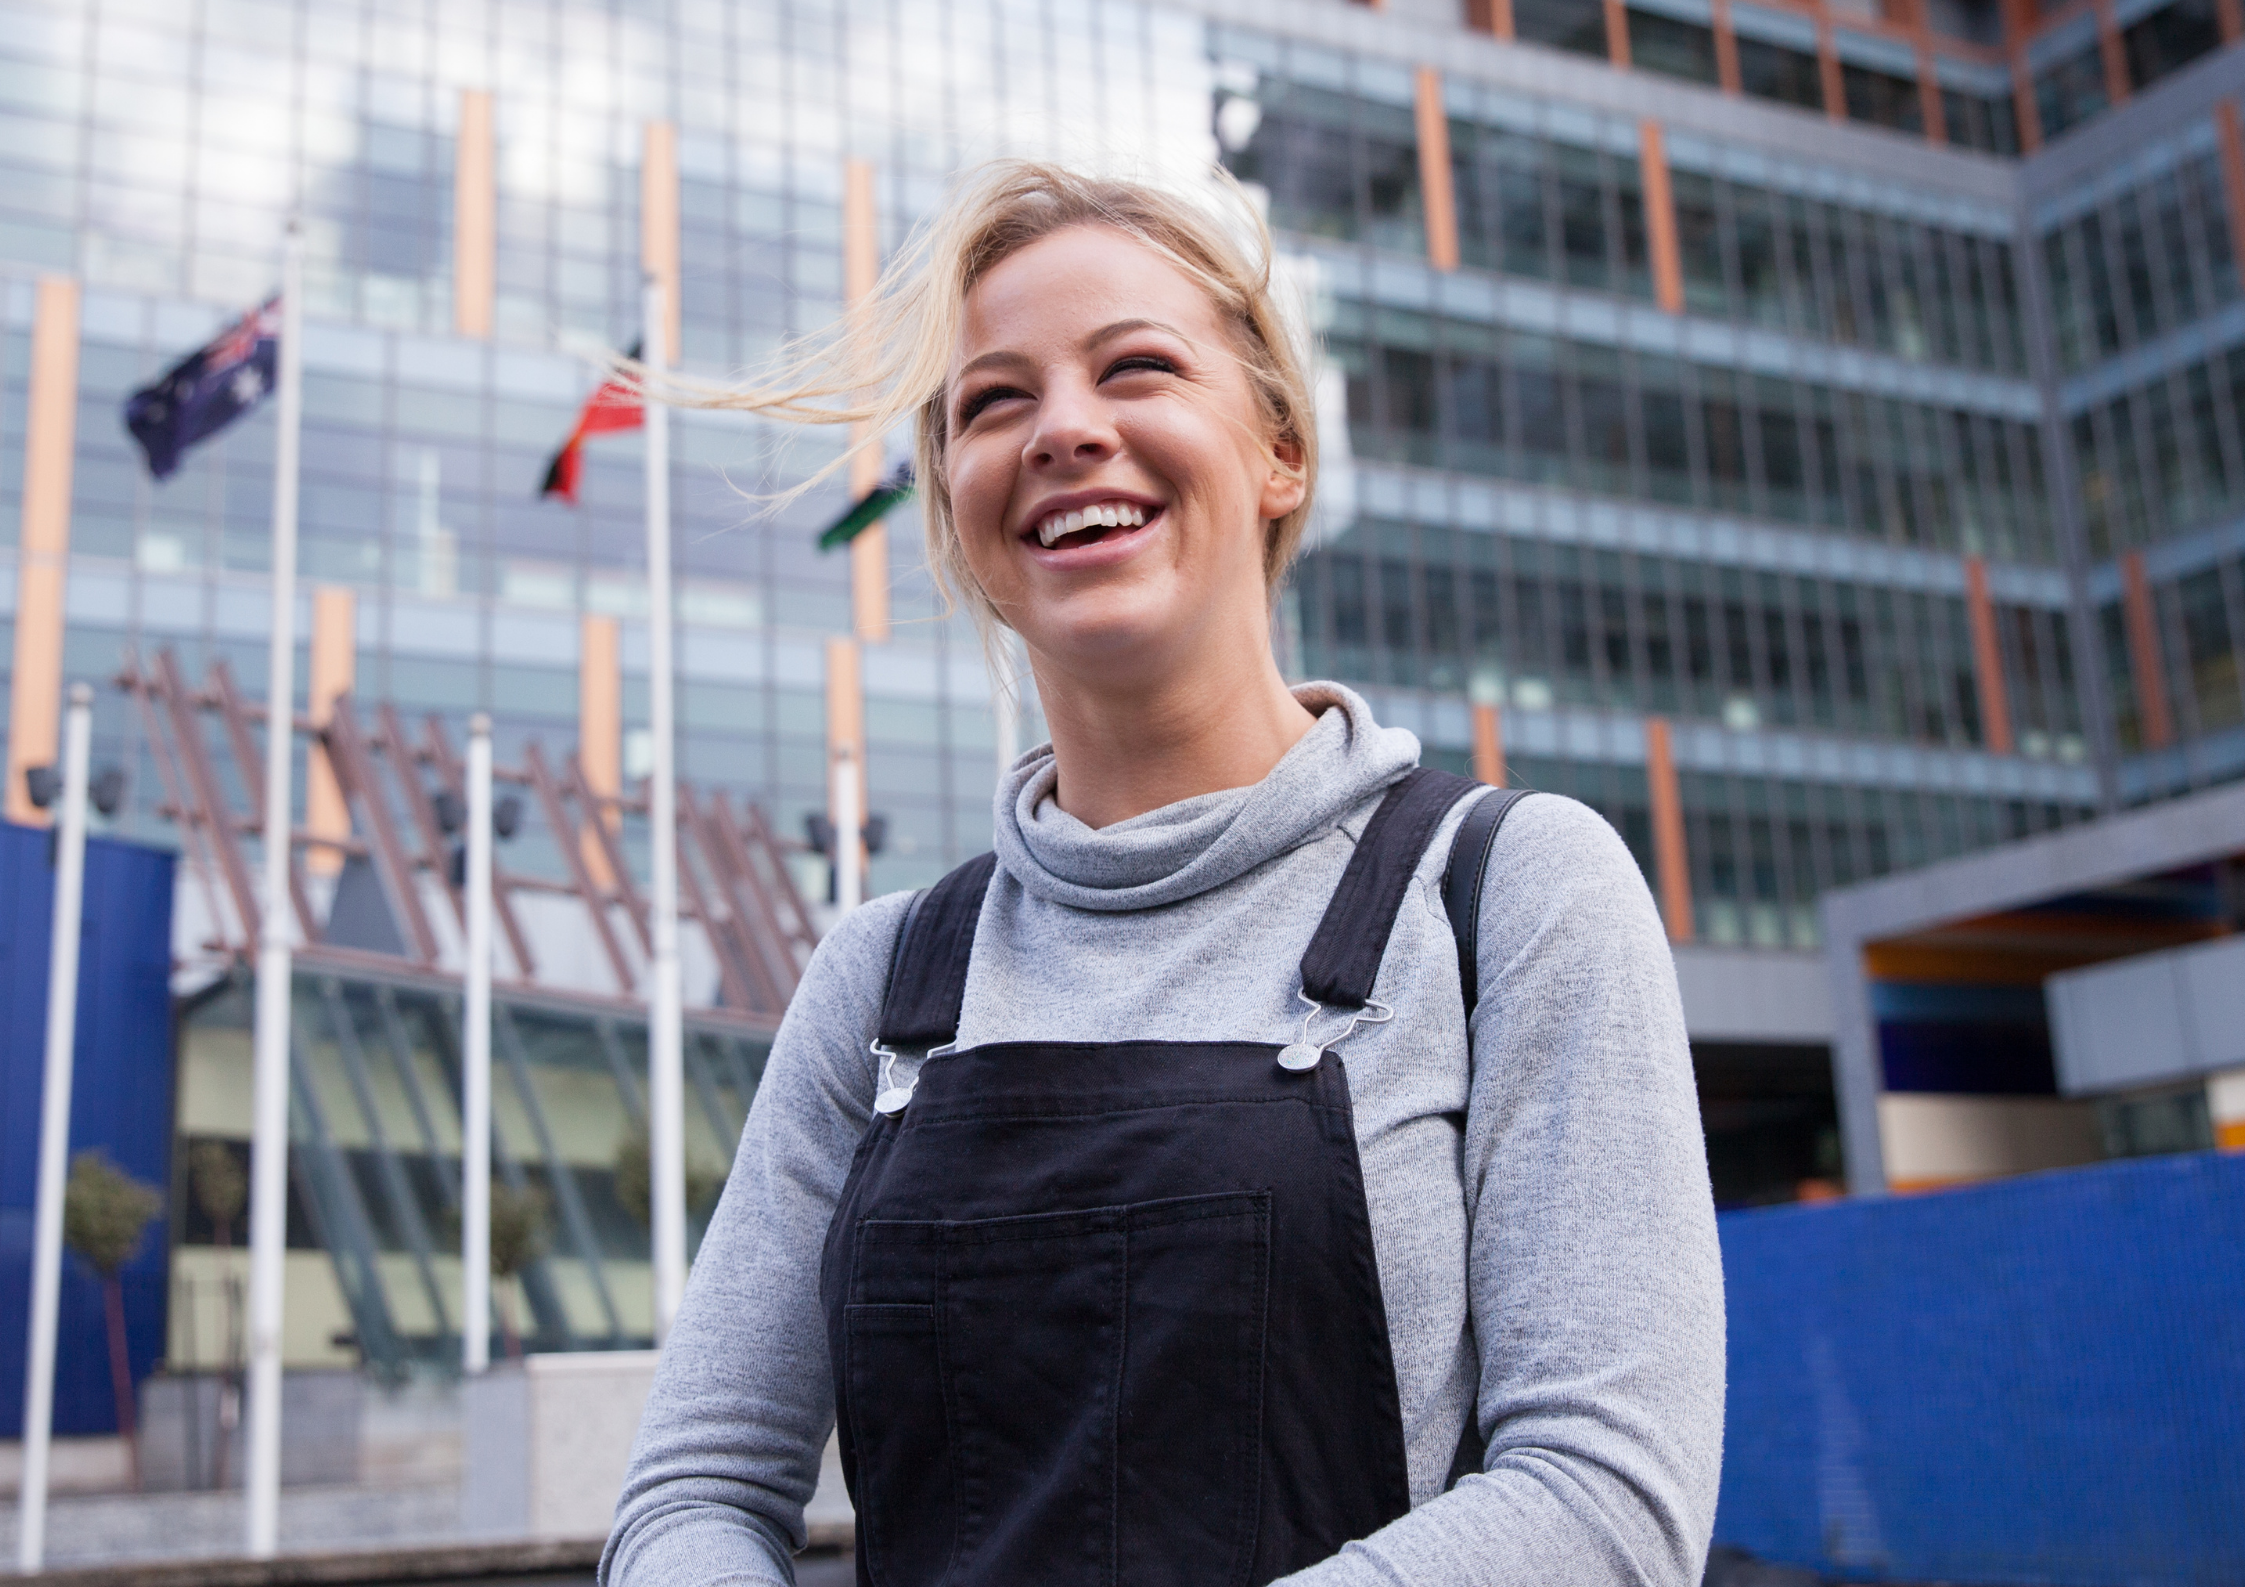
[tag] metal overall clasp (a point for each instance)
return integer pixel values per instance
(890, 1097)
(1303, 1054)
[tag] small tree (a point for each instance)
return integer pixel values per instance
(518, 1238)
(220, 1186)
(635, 1174)
(105, 1211)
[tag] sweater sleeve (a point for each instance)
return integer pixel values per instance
(728, 1448)
(1594, 1277)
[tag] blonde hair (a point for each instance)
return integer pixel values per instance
(891, 356)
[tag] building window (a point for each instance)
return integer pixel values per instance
(1578, 25)
(1771, 71)
(2070, 92)
(1975, 122)
(1335, 165)
(1882, 98)
(1669, 45)
(2171, 38)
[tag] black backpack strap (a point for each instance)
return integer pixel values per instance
(1343, 959)
(928, 968)
(1461, 883)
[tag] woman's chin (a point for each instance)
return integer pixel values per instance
(1108, 635)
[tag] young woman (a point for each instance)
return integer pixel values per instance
(1157, 1202)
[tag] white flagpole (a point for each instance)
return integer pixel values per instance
(849, 834)
(475, 1046)
(268, 1176)
(54, 1133)
(666, 1085)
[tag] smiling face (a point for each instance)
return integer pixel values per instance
(1108, 468)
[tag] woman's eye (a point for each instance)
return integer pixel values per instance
(973, 406)
(1142, 361)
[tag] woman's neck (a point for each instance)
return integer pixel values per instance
(1124, 751)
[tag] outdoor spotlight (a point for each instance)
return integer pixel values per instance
(108, 789)
(451, 814)
(43, 783)
(819, 833)
(876, 834)
(506, 816)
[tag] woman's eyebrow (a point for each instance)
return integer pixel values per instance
(990, 361)
(1108, 333)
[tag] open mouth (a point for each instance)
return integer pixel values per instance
(1090, 524)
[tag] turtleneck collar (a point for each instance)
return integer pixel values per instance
(1203, 842)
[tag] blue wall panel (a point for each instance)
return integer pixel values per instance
(2035, 1381)
(121, 1102)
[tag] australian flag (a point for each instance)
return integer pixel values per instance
(208, 389)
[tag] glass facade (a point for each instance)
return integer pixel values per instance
(376, 1082)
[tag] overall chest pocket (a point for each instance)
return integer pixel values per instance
(1072, 1399)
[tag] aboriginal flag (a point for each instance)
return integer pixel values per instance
(869, 509)
(615, 406)
(207, 390)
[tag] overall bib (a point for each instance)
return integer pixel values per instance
(1108, 1312)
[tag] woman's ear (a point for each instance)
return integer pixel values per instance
(1284, 487)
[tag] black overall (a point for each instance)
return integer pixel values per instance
(1107, 1312)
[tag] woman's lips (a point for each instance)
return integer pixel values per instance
(1093, 545)
(1089, 518)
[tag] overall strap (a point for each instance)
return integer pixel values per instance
(928, 969)
(1343, 959)
(1461, 883)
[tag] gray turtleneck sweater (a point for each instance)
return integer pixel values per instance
(1539, 1202)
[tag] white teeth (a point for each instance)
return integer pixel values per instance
(1104, 515)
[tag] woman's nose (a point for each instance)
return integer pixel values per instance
(1072, 428)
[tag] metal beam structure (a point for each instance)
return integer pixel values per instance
(734, 877)
(374, 1026)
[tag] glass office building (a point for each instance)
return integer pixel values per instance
(1811, 433)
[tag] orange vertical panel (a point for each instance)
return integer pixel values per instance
(2231, 139)
(475, 216)
(1493, 17)
(1438, 196)
(600, 726)
(2144, 658)
(1671, 863)
(43, 551)
(658, 219)
(1935, 113)
(1617, 33)
(1726, 50)
(2231, 18)
(2018, 25)
(1488, 745)
(2023, 104)
(334, 673)
(861, 232)
(1828, 72)
(2117, 86)
(1660, 217)
(861, 273)
(1987, 659)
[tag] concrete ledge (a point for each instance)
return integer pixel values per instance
(453, 1562)
(457, 1562)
